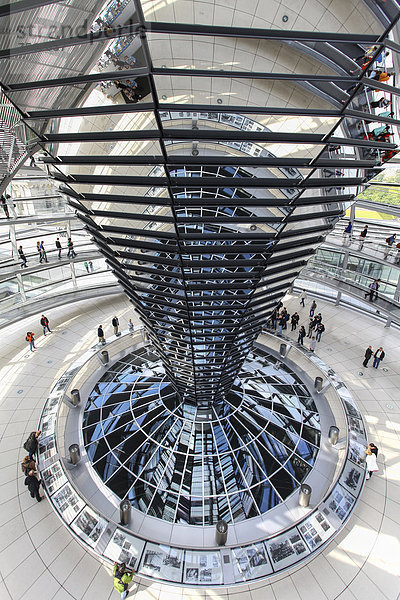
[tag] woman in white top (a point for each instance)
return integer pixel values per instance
(372, 465)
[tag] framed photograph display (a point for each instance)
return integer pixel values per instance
(67, 503)
(162, 562)
(316, 530)
(202, 567)
(352, 478)
(356, 452)
(47, 448)
(286, 549)
(250, 562)
(89, 526)
(124, 548)
(338, 504)
(53, 477)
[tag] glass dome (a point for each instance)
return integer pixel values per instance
(183, 463)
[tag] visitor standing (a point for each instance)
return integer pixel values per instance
(71, 252)
(122, 579)
(86, 266)
(22, 256)
(302, 333)
(100, 334)
(30, 337)
(45, 324)
(31, 444)
(115, 324)
(28, 464)
(313, 307)
(43, 251)
(372, 465)
(130, 326)
(362, 237)
(347, 233)
(294, 321)
(389, 243)
(303, 298)
(367, 356)
(313, 344)
(59, 247)
(33, 485)
(4, 206)
(373, 448)
(39, 251)
(311, 327)
(319, 331)
(378, 357)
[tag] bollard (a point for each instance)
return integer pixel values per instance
(104, 357)
(75, 397)
(74, 454)
(221, 533)
(282, 350)
(318, 384)
(304, 495)
(333, 435)
(124, 512)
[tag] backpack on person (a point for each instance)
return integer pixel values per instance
(30, 445)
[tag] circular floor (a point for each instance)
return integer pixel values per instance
(362, 561)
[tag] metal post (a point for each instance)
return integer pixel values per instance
(124, 512)
(318, 384)
(104, 357)
(221, 533)
(74, 454)
(333, 435)
(75, 397)
(304, 495)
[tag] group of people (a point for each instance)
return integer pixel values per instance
(43, 254)
(348, 235)
(115, 326)
(379, 355)
(390, 241)
(281, 317)
(88, 266)
(28, 465)
(30, 336)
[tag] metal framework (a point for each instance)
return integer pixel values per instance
(204, 214)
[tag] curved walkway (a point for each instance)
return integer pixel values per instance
(39, 558)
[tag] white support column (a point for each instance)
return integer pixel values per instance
(73, 274)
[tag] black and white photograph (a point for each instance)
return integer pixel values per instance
(251, 562)
(53, 478)
(47, 448)
(89, 526)
(67, 502)
(286, 549)
(192, 575)
(202, 567)
(163, 562)
(124, 548)
(352, 478)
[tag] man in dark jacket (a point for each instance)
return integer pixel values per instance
(302, 333)
(45, 324)
(31, 444)
(33, 485)
(378, 356)
(367, 356)
(100, 334)
(319, 331)
(115, 324)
